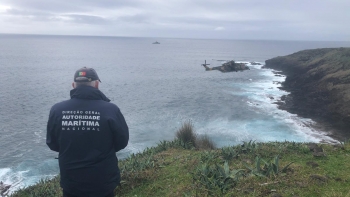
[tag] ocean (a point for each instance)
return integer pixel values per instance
(156, 86)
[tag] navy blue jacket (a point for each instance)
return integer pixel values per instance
(87, 131)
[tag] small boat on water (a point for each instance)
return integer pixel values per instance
(156, 42)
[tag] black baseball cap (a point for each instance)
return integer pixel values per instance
(86, 75)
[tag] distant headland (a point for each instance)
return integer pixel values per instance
(319, 83)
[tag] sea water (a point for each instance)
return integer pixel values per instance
(157, 88)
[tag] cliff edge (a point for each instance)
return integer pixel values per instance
(319, 84)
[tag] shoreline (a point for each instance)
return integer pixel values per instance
(286, 103)
(301, 102)
(317, 126)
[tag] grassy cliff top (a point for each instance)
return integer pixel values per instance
(251, 169)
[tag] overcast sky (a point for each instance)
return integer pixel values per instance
(215, 19)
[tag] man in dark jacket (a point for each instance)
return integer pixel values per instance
(87, 130)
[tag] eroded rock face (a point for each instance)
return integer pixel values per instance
(230, 66)
(319, 82)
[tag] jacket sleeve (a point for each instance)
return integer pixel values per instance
(51, 133)
(120, 131)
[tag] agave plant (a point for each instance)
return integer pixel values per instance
(248, 147)
(228, 153)
(267, 169)
(208, 156)
(217, 177)
(162, 146)
(138, 162)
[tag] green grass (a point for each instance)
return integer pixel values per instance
(190, 165)
(169, 169)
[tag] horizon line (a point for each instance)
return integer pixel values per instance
(113, 36)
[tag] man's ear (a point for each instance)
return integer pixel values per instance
(73, 85)
(97, 83)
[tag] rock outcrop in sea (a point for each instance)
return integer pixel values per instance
(230, 66)
(319, 84)
(4, 189)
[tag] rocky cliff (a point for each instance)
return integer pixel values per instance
(319, 83)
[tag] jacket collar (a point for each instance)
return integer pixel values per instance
(88, 92)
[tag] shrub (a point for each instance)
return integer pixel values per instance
(205, 143)
(186, 133)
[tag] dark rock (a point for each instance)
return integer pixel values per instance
(338, 146)
(315, 147)
(4, 189)
(317, 150)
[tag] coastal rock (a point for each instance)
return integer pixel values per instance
(228, 67)
(4, 189)
(319, 83)
(315, 147)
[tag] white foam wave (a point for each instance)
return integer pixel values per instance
(27, 173)
(261, 95)
(9, 177)
(250, 65)
(19, 155)
(39, 136)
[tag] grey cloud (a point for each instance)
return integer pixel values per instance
(86, 19)
(268, 18)
(24, 16)
(18, 12)
(44, 5)
(68, 18)
(138, 19)
(228, 22)
(58, 6)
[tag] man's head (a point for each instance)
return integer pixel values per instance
(86, 77)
